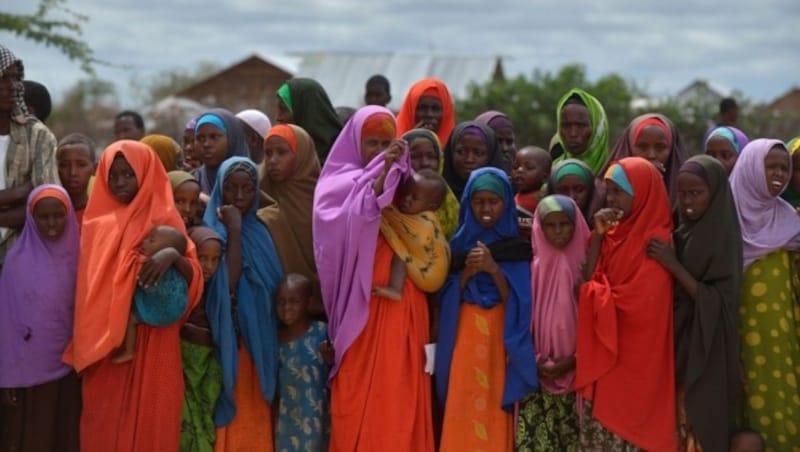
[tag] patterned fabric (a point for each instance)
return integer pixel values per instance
(769, 333)
(31, 157)
(303, 393)
(595, 438)
(7, 59)
(203, 382)
(162, 303)
(418, 240)
(548, 422)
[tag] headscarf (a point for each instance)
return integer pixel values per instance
(768, 223)
(495, 120)
(255, 295)
(677, 153)
(512, 254)
(706, 338)
(178, 178)
(36, 309)
(289, 219)
(7, 59)
(313, 111)
(468, 128)
(736, 137)
(257, 121)
(407, 117)
(625, 361)
(346, 223)
(190, 124)
(554, 275)
(237, 145)
(166, 148)
(448, 212)
(594, 187)
(109, 261)
(790, 194)
(596, 153)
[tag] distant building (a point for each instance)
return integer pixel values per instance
(789, 103)
(701, 92)
(343, 74)
(250, 83)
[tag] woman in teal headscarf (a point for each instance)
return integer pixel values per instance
(304, 102)
(582, 129)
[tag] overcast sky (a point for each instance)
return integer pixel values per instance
(751, 46)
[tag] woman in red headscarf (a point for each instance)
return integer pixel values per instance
(427, 105)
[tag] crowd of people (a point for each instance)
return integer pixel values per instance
(360, 280)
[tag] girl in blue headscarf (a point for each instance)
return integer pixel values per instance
(484, 334)
(243, 325)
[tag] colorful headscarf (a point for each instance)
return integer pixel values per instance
(736, 137)
(468, 128)
(677, 153)
(313, 111)
(617, 174)
(495, 120)
(594, 189)
(521, 371)
(287, 132)
(768, 223)
(7, 59)
(110, 260)
(448, 212)
(255, 295)
(596, 153)
(407, 117)
(554, 275)
(346, 223)
(36, 311)
(237, 145)
(166, 148)
(289, 218)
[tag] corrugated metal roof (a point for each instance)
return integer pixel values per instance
(343, 74)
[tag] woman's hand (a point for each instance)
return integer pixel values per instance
(662, 252)
(480, 259)
(606, 219)
(154, 267)
(393, 153)
(230, 216)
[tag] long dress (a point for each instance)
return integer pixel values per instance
(381, 396)
(770, 349)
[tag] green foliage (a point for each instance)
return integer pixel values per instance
(62, 33)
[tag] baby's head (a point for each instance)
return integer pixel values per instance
(293, 299)
(747, 440)
(531, 168)
(161, 237)
(425, 190)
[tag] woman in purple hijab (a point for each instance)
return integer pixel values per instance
(380, 395)
(40, 397)
(768, 314)
(503, 129)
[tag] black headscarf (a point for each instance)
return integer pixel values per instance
(487, 134)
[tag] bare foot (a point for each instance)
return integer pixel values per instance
(387, 292)
(122, 356)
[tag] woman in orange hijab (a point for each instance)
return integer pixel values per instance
(427, 105)
(134, 406)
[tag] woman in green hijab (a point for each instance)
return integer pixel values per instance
(582, 129)
(304, 102)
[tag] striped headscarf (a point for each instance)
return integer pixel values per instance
(7, 60)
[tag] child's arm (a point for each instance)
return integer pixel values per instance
(481, 260)
(604, 220)
(393, 153)
(154, 267)
(665, 255)
(232, 219)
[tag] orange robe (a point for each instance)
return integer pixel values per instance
(381, 397)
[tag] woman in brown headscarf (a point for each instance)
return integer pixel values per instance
(288, 176)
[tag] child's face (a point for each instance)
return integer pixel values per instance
(795, 182)
(371, 146)
(722, 149)
(470, 153)
(153, 242)
(574, 187)
(528, 174)
(557, 229)
(423, 155)
(617, 198)
(776, 168)
(209, 253)
(652, 145)
(187, 201)
(694, 195)
(75, 168)
(285, 115)
(122, 180)
(50, 216)
(210, 145)
(239, 190)
(291, 304)
(189, 157)
(487, 208)
(279, 159)
(416, 196)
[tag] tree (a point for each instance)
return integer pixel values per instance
(63, 34)
(88, 107)
(156, 87)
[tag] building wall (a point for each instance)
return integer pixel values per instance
(789, 103)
